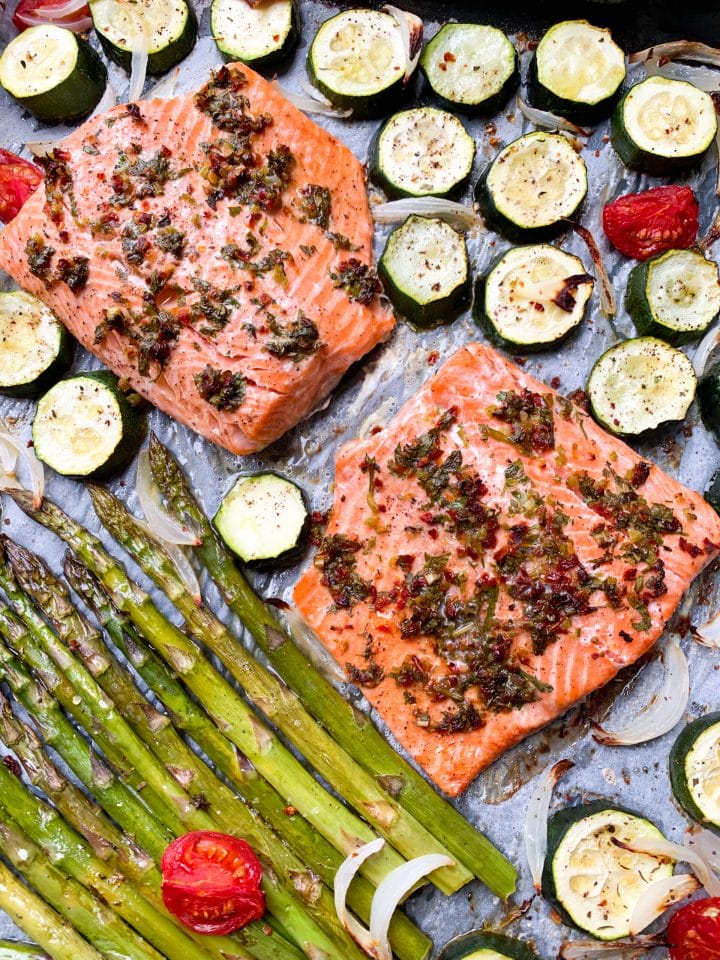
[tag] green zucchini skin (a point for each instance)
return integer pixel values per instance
(57, 369)
(637, 304)
(13, 305)
(680, 750)
(162, 60)
(558, 826)
(466, 945)
(584, 114)
(134, 429)
(75, 96)
(274, 57)
(507, 228)
(482, 107)
(708, 396)
(712, 492)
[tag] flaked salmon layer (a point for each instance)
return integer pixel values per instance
(492, 556)
(190, 271)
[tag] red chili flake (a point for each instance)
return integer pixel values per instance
(433, 358)
(449, 57)
(555, 383)
(690, 548)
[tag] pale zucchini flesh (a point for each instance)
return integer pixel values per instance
(256, 35)
(534, 296)
(170, 27)
(598, 882)
(702, 773)
(34, 345)
(470, 65)
(639, 385)
(422, 152)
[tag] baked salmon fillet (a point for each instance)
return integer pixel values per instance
(491, 557)
(213, 250)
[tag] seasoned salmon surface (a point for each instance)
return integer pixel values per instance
(492, 556)
(213, 250)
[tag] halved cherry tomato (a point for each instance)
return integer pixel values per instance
(643, 224)
(694, 931)
(18, 180)
(211, 882)
(72, 14)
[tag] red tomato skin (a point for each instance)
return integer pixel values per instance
(18, 180)
(694, 931)
(641, 225)
(211, 882)
(20, 18)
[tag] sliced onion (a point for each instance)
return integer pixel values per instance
(343, 878)
(700, 77)
(708, 633)
(456, 214)
(704, 350)
(411, 31)
(658, 896)
(537, 815)
(163, 524)
(707, 845)
(547, 120)
(311, 645)
(392, 891)
(660, 847)
(179, 559)
(615, 950)
(607, 297)
(164, 89)
(311, 101)
(58, 14)
(107, 101)
(665, 709)
(12, 450)
(679, 50)
(139, 61)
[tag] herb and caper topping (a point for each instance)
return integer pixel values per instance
(73, 271)
(337, 559)
(313, 204)
(294, 340)
(135, 179)
(359, 281)
(223, 389)
(530, 417)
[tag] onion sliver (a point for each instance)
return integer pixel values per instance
(679, 49)
(411, 30)
(665, 709)
(179, 560)
(707, 845)
(164, 89)
(139, 60)
(343, 878)
(547, 120)
(311, 102)
(160, 520)
(615, 950)
(311, 645)
(607, 297)
(12, 450)
(708, 634)
(537, 815)
(392, 891)
(660, 847)
(658, 896)
(456, 214)
(700, 77)
(705, 349)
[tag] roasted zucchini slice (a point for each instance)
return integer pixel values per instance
(35, 348)
(695, 770)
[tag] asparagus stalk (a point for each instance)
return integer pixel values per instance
(71, 853)
(276, 700)
(96, 921)
(354, 731)
(407, 941)
(303, 895)
(146, 726)
(17, 950)
(257, 742)
(54, 935)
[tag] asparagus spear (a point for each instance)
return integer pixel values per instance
(276, 700)
(71, 853)
(96, 921)
(146, 726)
(354, 731)
(17, 950)
(228, 812)
(39, 921)
(407, 941)
(257, 742)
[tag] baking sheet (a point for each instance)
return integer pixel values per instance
(372, 392)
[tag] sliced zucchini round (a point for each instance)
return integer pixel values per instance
(260, 36)
(85, 427)
(263, 519)
(471, 66)
(577, 72)
(171, 27)
(533, 297)
(695, 770)
(641, 384)
(532, 187)
(357, 60)
(425, 272)
(675, 296)
(708, 394)
(661, 126)
(485, 945)
(591, 880)
(420, 153)
(35, 348)
(712, 491)
(53, 73)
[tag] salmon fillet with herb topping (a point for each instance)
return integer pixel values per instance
(492, 556)
(214, 250)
